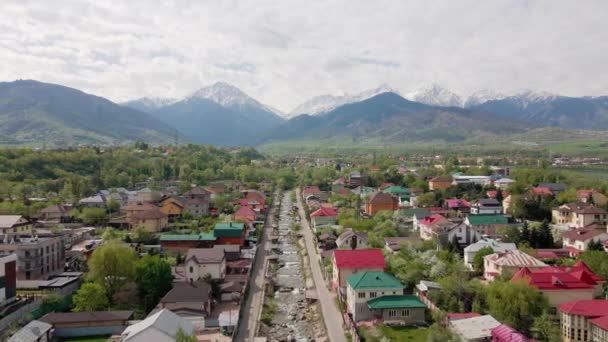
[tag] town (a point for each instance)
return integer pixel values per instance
(255, 247)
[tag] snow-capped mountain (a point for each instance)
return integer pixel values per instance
(229, 96)
(150, 104)
(482, 96)
(434, 95)
(326, 103)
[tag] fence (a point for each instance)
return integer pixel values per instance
(18, 314)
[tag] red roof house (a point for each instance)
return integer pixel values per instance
(504, 333)
(542, 191)
(245, 214)
(346, 262)
(563, 284)
(325, 211)
(311, 190)
(585, 317)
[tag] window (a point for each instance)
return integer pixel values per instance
(372, 295)
(27, 275)
(392, 313)
(191, 269)
(405, 312)
(361, 295)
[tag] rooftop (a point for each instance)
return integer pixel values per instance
(373, 280)
(206, 255)
(587, 308)
(475, 328)
(393, 302)
(88, 316)
(515, 258)
(187, 237)
(360, 258)
(476, 220)
(7, 221)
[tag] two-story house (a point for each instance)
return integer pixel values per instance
(15, 225)
(579, 215)
(201, 262)
(346, 262)
(380, 296)
(486, 206)
(580, 238)
(508, 262)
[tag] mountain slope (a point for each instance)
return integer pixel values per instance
(36, 112)
(149, 104)
(220, 114)
(390, 117)
(434, 95)
(548, 110)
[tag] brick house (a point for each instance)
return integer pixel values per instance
(183, 242)
(381, 201)
(440, 182)
(232, 233)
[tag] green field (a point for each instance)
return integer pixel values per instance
(584, 148)
(410, 334)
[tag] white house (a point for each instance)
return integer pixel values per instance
(203, 261)
(580, 238)
(474, 329)
(503, 183)
(471, 250)
(159, 327)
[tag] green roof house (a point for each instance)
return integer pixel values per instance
(403, 194)
(230, 233)
(486, 225)
(379, 296)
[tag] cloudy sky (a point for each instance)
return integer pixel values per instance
(284, 52)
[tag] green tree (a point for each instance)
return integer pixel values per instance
(112, 265)
(597, 261)
(545, 236)
(110, 233)
(595, 245)
(141, 234)
(426, 200)
(91, 297)
(153, 278)
(515, 303)
(94, 216)
(478, 260)
(113, 206)
(567, 196)
(546, 329)
(181, 336)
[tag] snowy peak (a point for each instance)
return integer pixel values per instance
(435, 95)
(482, 96)
(229, 96)
(150, 104)
(325, 103)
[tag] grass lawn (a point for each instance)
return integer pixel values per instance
(407, 334)
(87, 339)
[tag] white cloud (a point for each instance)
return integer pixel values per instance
(284, 52)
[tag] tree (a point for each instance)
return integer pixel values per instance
(595, 245)
(94, 216)
(181, 336)
(567, 196)
(478, 260)
(91, 297)
(153, 278)
(515, 303)
(113, 206)
(546, 329)
(112, 265)
(597, 261)
(545, 236)
(426, 200)
(525, 233)
(142, 235)
(110, 233)
(499, 195)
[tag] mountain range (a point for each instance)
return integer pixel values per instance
(221, 114)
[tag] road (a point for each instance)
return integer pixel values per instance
(331, 314)
(255, 298)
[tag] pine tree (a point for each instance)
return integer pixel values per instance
(525, 233)
(545, 235)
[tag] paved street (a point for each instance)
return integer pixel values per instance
(255, 299)
(331, 314)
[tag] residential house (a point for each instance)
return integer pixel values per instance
(580, 238)
(503, 183)
(428, 225)
(486, 225)
(56, 213)
(385, 186)
(245, 215)
(478, 180)
(379, 296)
(381, 201)
(364, 191)
(351, 239)
(8, 278)
(599, 328)
(401, 193)
(148, 195)
(474, 329)
(504, 333)
(34, 331)
(540, 192)
(486, 206)
(346, 262)
(563, 284)
(173, 206)
(459, 205)
(147, 215)
(95, 201)
(576, 319)
(338, 184)
(579, 215)
(15, 225)
(355, 179)
(555, 188)
(592, 196)
(394, 244)
(87, 324)
(37, 258)
(311, 190)
(508, 262)
(471, 250)
(323, 216)
(197, 201)
(201, 262)
(253, 199)
(231, 233)
(190, 300)
(440, 182)
(162, 326)
(181, 243)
